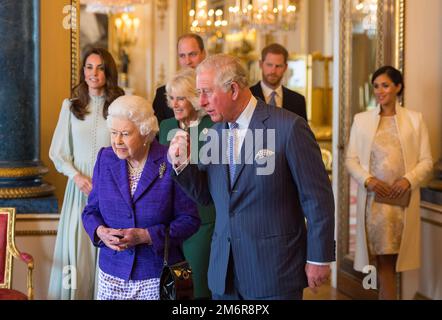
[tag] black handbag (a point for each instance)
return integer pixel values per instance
(175, 280)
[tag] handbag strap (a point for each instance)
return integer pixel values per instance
(166, 246)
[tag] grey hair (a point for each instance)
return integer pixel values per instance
(184, 84)
(227, 68)
(135, 109)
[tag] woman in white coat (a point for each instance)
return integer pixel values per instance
(388, 154)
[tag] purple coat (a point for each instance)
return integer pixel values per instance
(158, 202)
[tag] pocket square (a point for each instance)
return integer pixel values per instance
(264, 153)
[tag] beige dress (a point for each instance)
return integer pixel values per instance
(384, 223)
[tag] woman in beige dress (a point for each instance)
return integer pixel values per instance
(388, 155)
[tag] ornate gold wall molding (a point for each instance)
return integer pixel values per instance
(32, 233)
(162, 6)
(345, 60)
(26, 192)
(380, 37)
(37, 216)
(75, 42)
(400, 31)
(23, 172)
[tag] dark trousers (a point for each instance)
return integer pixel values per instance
(233, 290)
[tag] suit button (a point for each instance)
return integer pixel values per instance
(228, 239)
(234, 191)
(129, 216)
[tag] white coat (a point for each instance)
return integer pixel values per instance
(414, 140)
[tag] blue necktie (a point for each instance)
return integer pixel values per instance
(272, 100)
(232, 142)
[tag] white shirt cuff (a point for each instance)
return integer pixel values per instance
(179, 169)
(319, 263)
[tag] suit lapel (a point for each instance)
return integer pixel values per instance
(150, 172)
(284, 96)
(260, 92)
(119, 172)
(260, 114)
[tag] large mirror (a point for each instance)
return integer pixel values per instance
(372, 35)
(122, 27)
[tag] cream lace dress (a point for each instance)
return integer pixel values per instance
(384, 223)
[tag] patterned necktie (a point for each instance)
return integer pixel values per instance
(232, 144)
(272, 100)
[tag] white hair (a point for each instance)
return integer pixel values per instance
(227, 68)
(137, 110)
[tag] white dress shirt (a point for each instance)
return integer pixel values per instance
(267, 91)
(243, 122)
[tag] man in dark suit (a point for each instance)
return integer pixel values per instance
(273, 65)
(191, 52)
(268, 179)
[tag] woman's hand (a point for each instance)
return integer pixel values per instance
(83, 183)
(133, 237)
(379, 187)
(110, 237)
(399, 187)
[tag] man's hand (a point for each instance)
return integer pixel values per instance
(317, 275)
(83, 183)
(179, 149)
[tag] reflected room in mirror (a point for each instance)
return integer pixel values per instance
(118, 27)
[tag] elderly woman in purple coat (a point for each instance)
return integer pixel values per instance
(133, 201)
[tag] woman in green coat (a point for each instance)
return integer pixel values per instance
(181, 97)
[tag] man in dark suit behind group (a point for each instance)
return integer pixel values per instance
(191, 52)
(273, 65)
(262, 248)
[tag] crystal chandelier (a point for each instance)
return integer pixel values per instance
(364, 14)
(204, 20)
(263, 15)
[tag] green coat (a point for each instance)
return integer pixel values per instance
(196, 248)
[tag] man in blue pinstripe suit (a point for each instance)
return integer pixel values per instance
(262, 247)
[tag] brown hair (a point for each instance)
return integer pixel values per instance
(274, 48)
(197, 38)
(80, 98)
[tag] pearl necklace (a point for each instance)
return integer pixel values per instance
(136, 171)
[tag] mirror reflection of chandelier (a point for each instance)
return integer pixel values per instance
(110, 6)
(364, 13)
(264, 15)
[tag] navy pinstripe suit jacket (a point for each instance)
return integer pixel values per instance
(260, 220)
